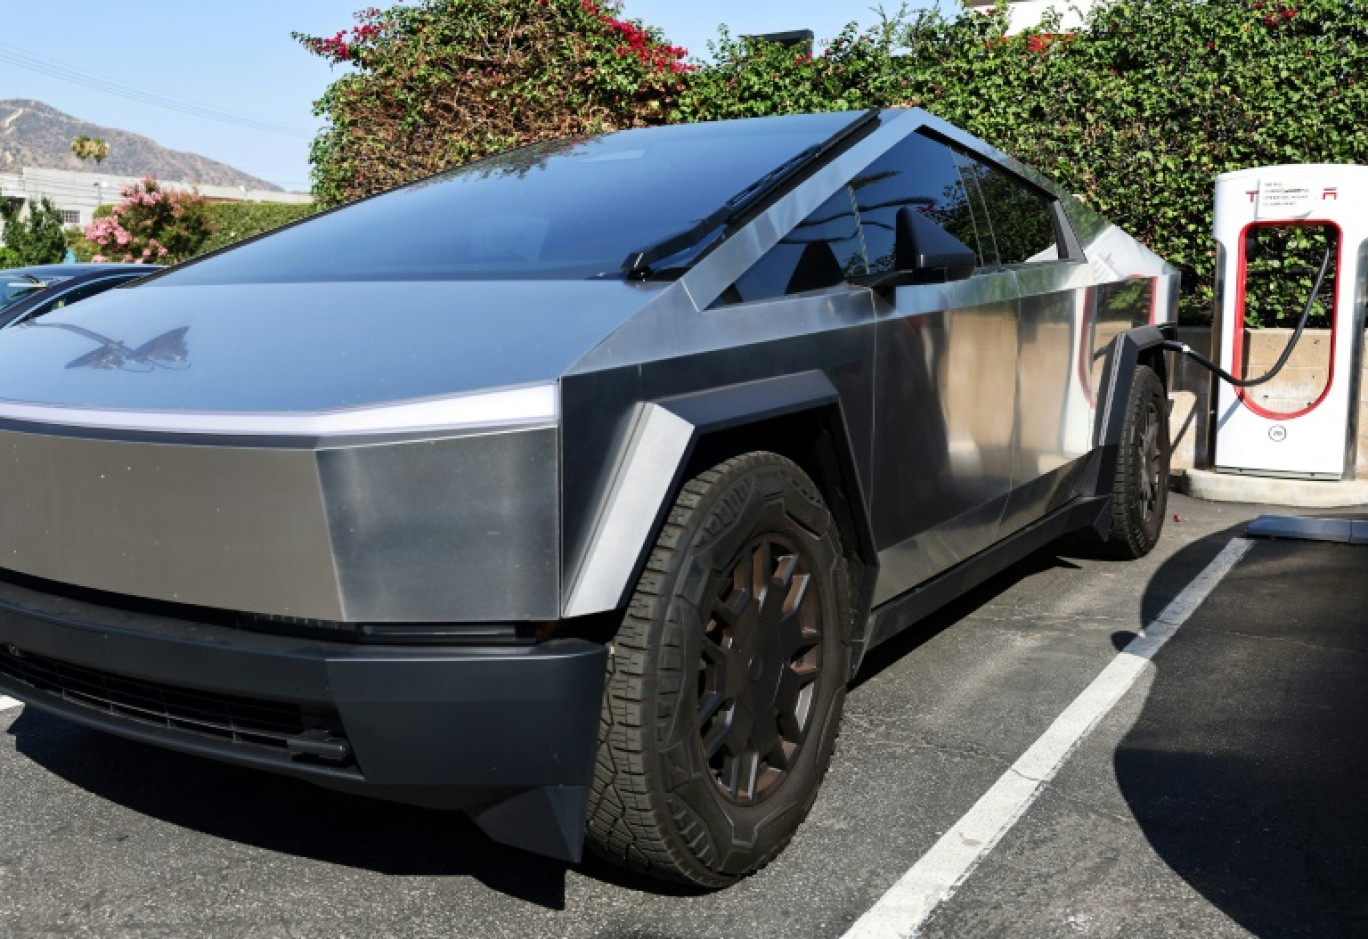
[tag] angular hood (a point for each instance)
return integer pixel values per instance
(307, 346)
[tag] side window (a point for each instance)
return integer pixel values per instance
(922, 173)
(1020, 224)
(71, 296)
(821, 251)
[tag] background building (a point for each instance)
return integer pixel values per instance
(77, 195)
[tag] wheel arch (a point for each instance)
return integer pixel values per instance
(797, 416)
(1130, 349)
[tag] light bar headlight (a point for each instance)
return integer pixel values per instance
(528, 404)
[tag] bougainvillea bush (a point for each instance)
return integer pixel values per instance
(1137, 112)
(152, 224)
(441, 82)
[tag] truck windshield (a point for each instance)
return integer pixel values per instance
(558, 210)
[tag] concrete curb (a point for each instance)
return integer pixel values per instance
(1302, 493)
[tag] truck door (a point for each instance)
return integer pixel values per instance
(945, 376)
(1051, 423)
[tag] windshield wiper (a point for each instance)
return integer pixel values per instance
(639, 263)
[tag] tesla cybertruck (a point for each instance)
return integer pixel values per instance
(569, 488)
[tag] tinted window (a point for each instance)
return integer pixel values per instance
(76, 294)
(821, 251)
(1021, 227)
(14, 289)
(566, 209)
(921, 173)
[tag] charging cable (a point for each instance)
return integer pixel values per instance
(1183, 348)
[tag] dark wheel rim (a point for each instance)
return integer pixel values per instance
(761, 658)
(1152, 457)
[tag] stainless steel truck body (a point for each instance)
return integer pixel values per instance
(382, 499)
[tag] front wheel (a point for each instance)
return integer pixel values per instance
(726, 679)
(1140, 486)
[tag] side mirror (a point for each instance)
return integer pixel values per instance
(927, 251)
(923, 253)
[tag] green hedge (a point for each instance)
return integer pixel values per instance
(234, 221)
(1137, 112)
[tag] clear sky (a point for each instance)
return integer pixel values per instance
(238, 62)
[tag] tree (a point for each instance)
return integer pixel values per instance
(152, 224)
(90, 148)
(35, 238)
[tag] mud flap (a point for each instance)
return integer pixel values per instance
(548, 821)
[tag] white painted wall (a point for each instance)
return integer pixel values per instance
(82, 192)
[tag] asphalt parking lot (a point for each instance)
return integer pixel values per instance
(1220, 796)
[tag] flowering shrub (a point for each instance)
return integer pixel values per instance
(352, 45)
(640, 42)
(435, 83)
(151, 225)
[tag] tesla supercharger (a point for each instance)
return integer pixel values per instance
(1309, 431)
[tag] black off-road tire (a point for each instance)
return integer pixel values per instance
(1140, 486)
(726, 679)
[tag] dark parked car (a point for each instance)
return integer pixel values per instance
(26, 292)
(569, 488)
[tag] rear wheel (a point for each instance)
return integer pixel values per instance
(726, 679)
(1140, 486)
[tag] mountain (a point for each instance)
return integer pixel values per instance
(34, 134)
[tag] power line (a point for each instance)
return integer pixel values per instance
(85, 79)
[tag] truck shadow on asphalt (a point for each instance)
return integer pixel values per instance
(1244, 771)
(291, 817)
(1246, 767)
(283, 815)
(904, 643)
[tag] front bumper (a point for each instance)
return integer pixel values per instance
(506, 734)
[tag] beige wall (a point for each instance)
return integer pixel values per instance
(1300, 382)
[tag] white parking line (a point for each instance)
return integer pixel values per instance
(7, 703)
(909, 903)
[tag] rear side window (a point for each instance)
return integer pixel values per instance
(921, 173)
(1000, 218)
(821, 251)
(1020, 226)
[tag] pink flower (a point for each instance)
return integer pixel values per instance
(101, 230)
